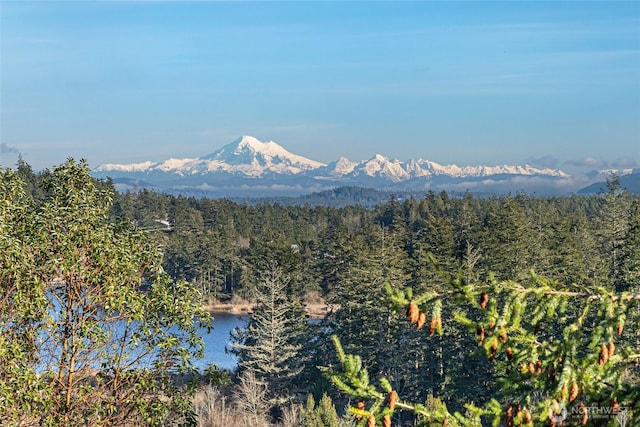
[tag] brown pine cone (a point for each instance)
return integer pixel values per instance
(509, 416)
(509, 352)
(359, 405)
(585, 414)
(503, 334)
(422, 319)
(393, 399)
(413, 312)
(484, 299)
(480, 333)
(575, 390)
(604, 355)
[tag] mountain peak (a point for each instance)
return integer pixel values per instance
(250, 156)
(249, 141)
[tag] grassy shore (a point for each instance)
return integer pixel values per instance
(315, 310)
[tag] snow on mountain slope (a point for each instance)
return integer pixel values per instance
(427, 167)
(252, 157)
(131, 167)
(381, 166)
(249, 157)
(246, 156)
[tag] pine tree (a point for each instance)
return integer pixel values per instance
(323, 414)
(271, 344)
(612, 228)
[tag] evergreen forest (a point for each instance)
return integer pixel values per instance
(444, 309)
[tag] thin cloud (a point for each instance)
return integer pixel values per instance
(6, 148)
(589, 162)
(624, 163)
(547, 161)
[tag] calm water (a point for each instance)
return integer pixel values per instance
(216, 340)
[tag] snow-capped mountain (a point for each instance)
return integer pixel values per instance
(246, 155)
(242, 162)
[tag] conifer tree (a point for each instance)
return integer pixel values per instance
(612, 228)
(323, 414)
(271, 344)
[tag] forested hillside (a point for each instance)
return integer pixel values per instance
(220, 244)
(511, 303)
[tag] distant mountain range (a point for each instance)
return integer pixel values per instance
(249, 167)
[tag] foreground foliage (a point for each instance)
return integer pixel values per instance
(93, 331)
(561, 354)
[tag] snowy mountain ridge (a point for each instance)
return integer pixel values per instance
(252, 158)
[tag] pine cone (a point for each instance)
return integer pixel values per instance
(413, 312)
(539, 367)
(484, 299)
(422, 319)
(604, 355)
(386, 421)
(503, 334)
(432, 326)
(585, 414)
(480, 333)
(393, 399)
(531, 367)
(527, 419)
(620, 328)
(371, 422)
(437, 324)
(509, 416)
(575, 390)
(494, 350)
(612, 348)
(509, 352)
(359, 405)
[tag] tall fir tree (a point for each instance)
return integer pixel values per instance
(271, 344)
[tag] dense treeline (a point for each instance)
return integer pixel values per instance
(219, 244)
(278, 256)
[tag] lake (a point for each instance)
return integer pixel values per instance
(216, 341)
(219, 338)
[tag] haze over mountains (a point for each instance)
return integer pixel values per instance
(249, 167)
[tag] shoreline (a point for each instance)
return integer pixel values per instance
(314, 311)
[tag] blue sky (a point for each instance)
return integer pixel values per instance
(552, 84)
